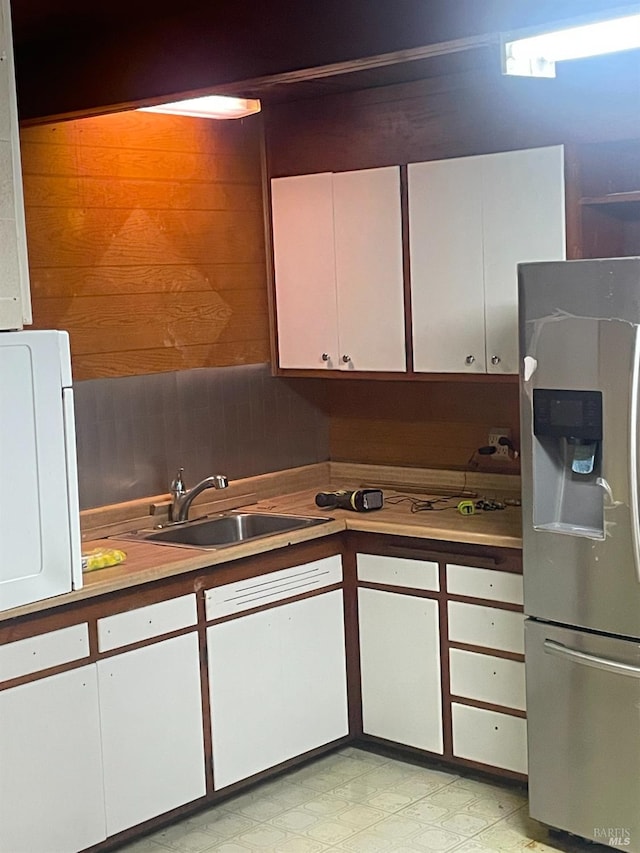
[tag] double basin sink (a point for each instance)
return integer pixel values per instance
(222, 531)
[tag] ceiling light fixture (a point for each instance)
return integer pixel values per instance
(536, 55)
(210, 106)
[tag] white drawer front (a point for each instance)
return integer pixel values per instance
(34, 654)
(487, 679)
(484, 583)
(276, 586)
(154, 620)
(486, 626)
(398, 571)
(498, 740)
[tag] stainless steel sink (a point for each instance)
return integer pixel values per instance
(221, 531)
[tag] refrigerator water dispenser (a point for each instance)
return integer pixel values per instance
(567, 459)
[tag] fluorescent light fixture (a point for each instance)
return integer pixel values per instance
(210, 106)
(536, 55)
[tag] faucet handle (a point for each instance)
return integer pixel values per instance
(177, 484)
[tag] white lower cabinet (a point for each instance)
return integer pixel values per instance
(400, 668)
(51, 789)
(499, 740)
(95, 750)
(152, 730)
(278, 685)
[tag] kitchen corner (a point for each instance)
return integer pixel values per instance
(319, 297)
(323, 622)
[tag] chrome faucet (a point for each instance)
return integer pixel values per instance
(182, 498)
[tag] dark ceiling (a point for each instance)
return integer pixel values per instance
(44, 19)
(77, 55)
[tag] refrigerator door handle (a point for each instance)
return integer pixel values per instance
(576, 656)
(633, 455)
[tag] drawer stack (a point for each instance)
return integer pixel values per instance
(486, 665)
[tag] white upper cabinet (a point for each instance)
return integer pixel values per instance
(15, 303)
(338, 270)
(447, 295)
(471, 221)
(368, 247)
(305, 269)
(523, 220)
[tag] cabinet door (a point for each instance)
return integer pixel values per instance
(368, 246)
(523, 220)
(304, 267)
(278, 685)
(51, 794)
(447, 291)
(152, 731)
(400, 668)
(15, 304)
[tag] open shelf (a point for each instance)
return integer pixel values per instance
(606, 193)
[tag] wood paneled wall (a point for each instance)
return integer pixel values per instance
(426, 424)
(472, 112)
(146, 241)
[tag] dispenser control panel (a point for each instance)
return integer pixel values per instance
(569, 414)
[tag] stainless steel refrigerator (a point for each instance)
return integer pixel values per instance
(579, 398)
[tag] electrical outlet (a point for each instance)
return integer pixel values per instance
(495, 434)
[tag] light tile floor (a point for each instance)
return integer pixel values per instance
(354, 801)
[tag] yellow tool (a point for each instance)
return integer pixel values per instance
(466, 508)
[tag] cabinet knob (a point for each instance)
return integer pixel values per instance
(470, 359)
(325, 356)
(495, 359)
(346, 359)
